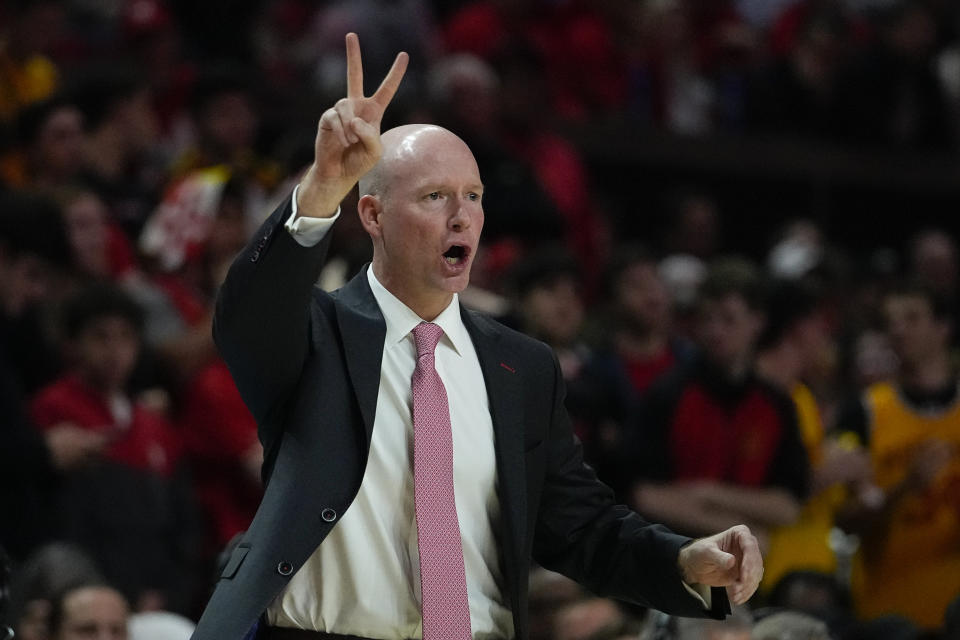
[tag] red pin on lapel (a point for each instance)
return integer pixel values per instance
(508, 367)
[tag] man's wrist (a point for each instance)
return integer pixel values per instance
(683, 561)
(318, 197)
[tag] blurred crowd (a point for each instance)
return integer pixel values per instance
(808, 389)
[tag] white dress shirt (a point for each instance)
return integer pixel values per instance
(364, 579)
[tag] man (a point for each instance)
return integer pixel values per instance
(491, 481)
(794, 343)
(131, 508)
(714, 444)
(640, 347)
(790, 624)
(910, 521)
(89, 611)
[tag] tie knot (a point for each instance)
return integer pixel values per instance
(427, 335)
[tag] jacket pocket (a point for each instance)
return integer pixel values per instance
(236, 559)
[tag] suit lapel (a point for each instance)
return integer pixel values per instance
(363, 330)
(503, 377)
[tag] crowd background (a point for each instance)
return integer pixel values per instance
(732, 219)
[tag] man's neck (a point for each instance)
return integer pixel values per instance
(427, 306)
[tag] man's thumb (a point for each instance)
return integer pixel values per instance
(723, 559)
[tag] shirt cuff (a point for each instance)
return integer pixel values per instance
(702, 593)
(308, 231)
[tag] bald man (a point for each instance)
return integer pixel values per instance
(418, 454)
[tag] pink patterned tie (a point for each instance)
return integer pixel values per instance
(446, 613)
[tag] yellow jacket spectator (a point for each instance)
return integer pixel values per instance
(910, 519)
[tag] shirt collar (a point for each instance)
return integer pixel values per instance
(401, 319)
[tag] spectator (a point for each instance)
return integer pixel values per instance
(50, 146)
(100, 250)
(550, 307)
(908, 521)
(87, 611)
(227, 118)
(549, 304)
(591, 619)
(737, 627)
(789, 625)
(641, 337)
(794, 341)
(816, 594)
(129, 508)
(714, 444)
(49, 571)
(636, 348)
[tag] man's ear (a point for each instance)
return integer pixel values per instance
(369, 208)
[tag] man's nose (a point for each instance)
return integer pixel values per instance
(460, 220)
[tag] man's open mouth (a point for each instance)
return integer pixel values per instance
(455, 254)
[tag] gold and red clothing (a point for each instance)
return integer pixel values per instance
(698, 425)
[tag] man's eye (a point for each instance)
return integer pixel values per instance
(474, 196)
(433, 195)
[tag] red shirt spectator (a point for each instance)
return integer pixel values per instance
(139, 438)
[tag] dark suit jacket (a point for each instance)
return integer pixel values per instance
(308, 365)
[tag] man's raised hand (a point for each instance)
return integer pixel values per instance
(348, 137)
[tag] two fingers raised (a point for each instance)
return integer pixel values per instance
(346, 120)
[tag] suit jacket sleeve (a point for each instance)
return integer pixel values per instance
(262, 319)
(582, 533)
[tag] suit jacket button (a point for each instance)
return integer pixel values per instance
(328, 515)
(284, 568)
(255, 256)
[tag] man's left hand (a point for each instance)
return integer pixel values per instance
(729, 559)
